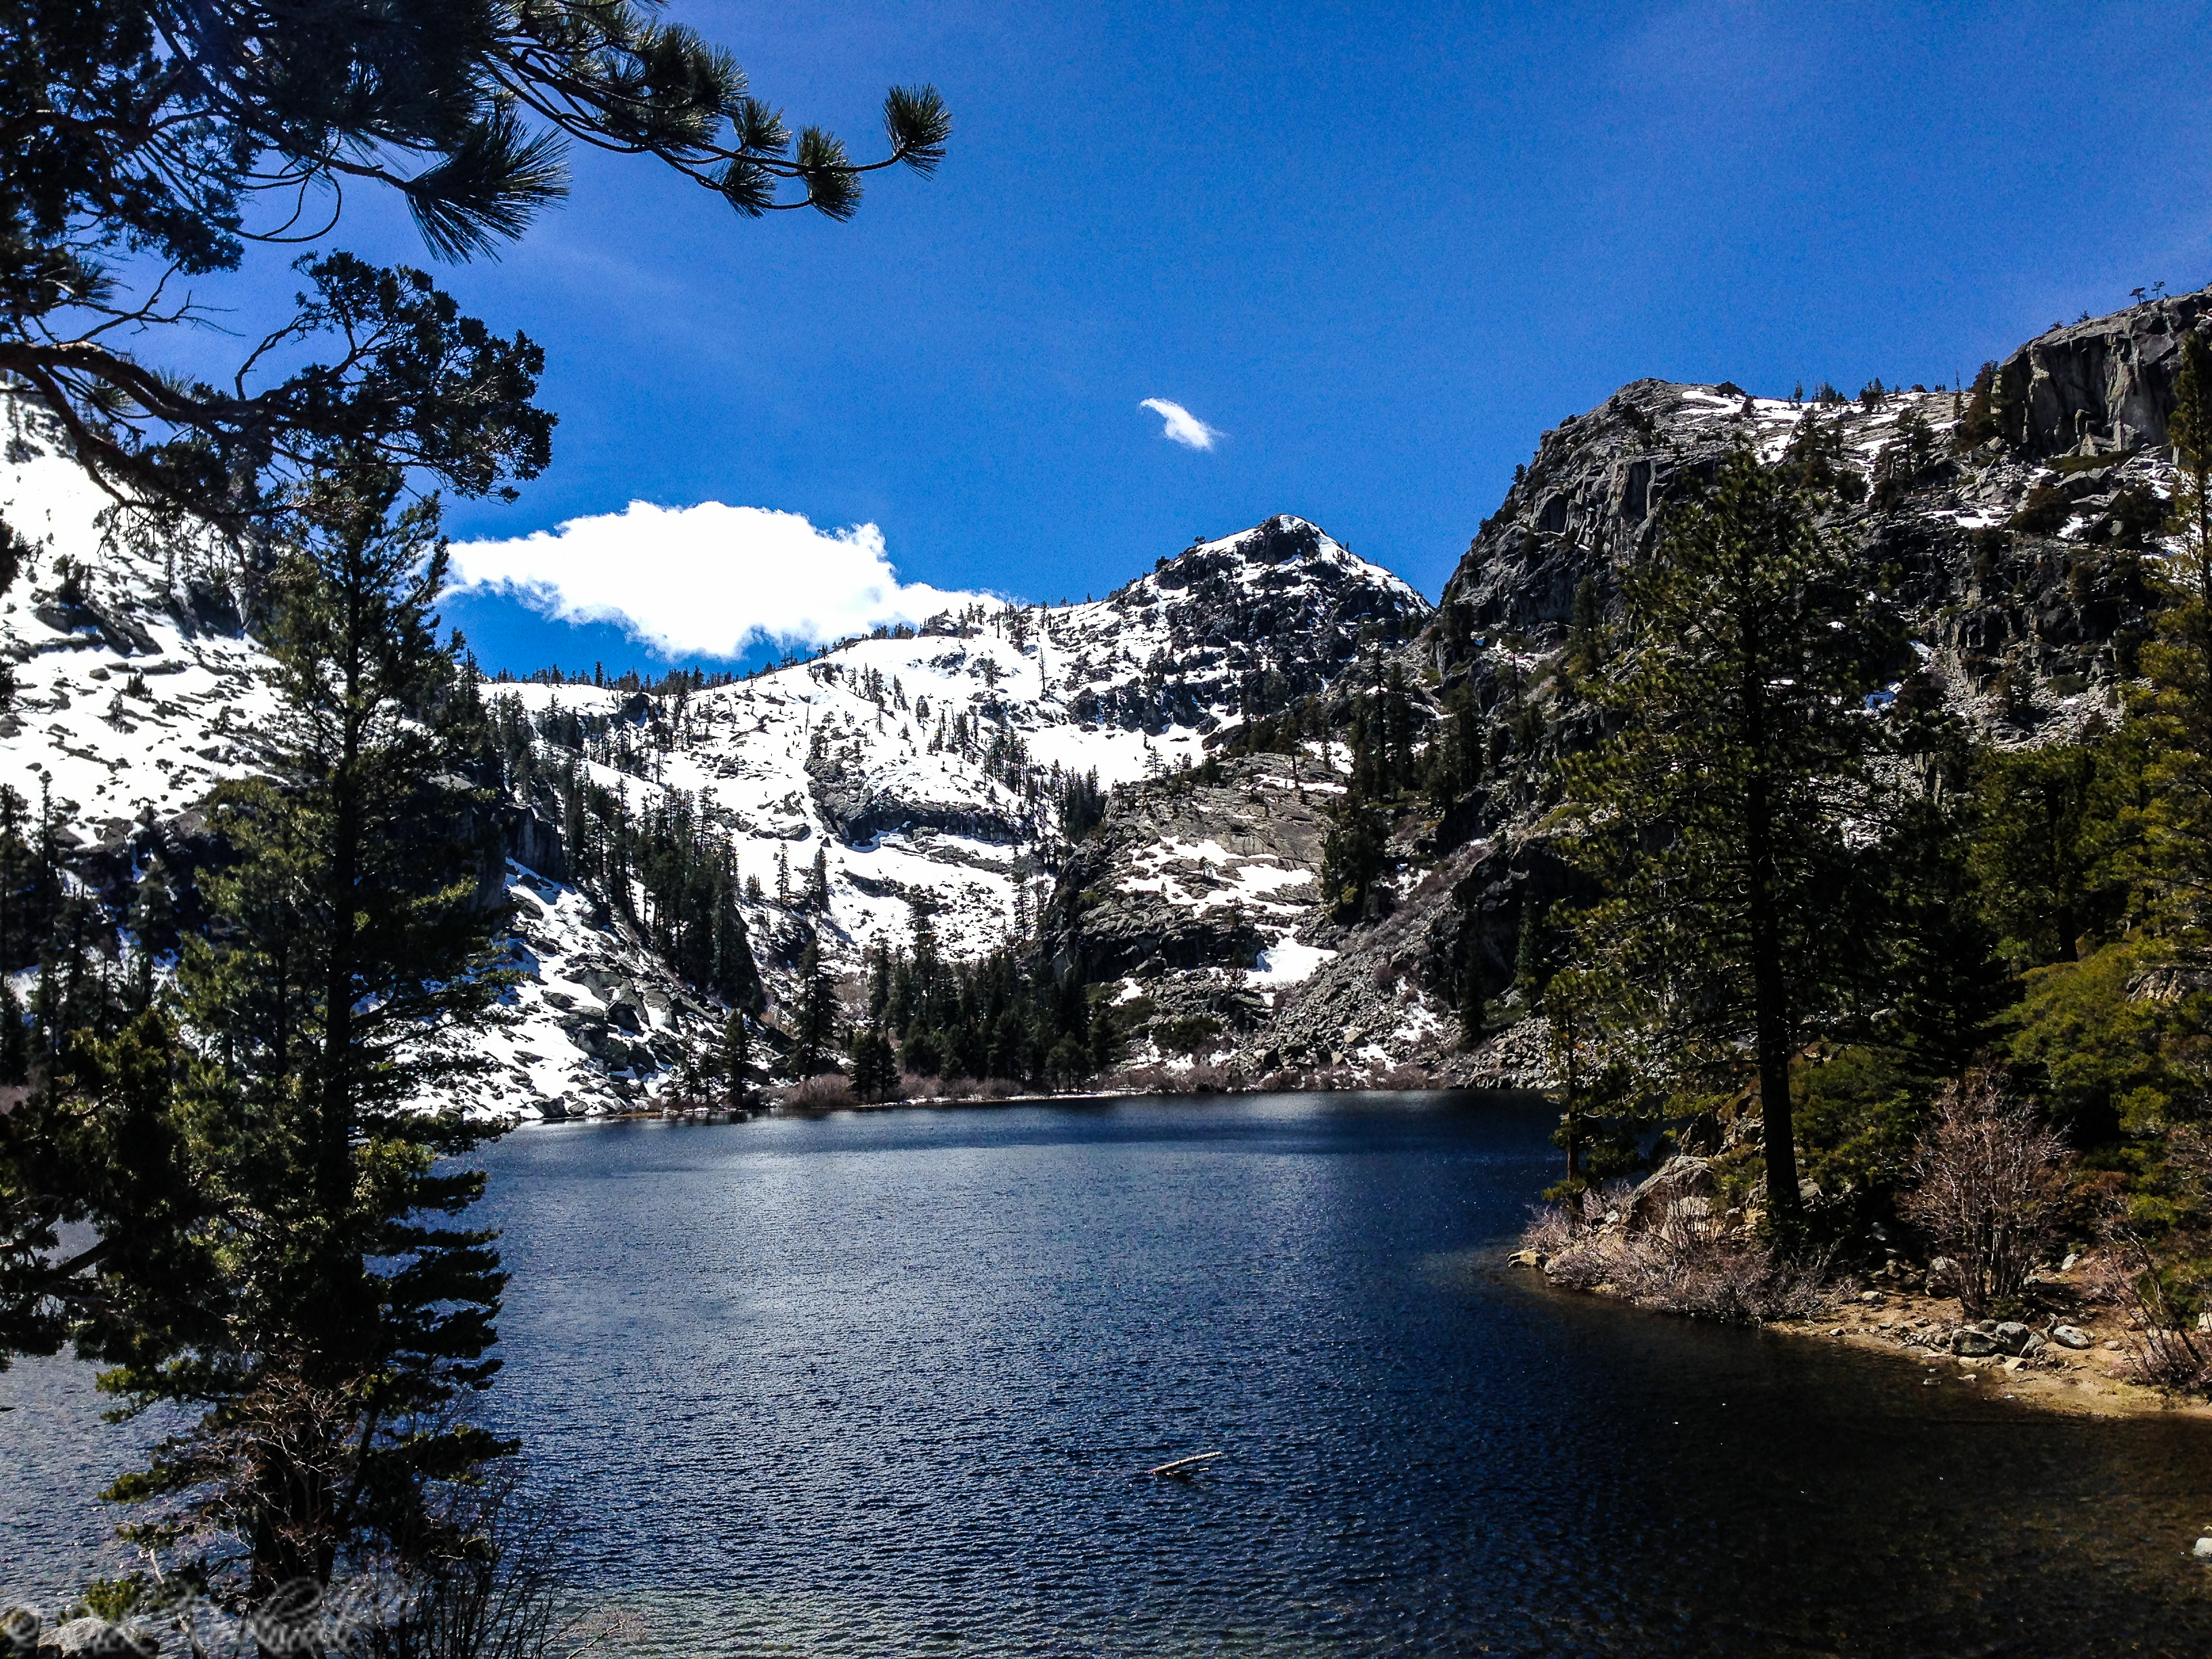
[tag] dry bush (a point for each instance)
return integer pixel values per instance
(1210, 1078)
(1001, 1088)
(828, 1092)
(914, 1086)
(1684, 1266)
(1988, 1189)
(2159, 1348)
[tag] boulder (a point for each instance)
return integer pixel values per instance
(95, 1638)
(2203, 1551)
(2013, 1336)
(1681, 1188)
(2071, 1336)
(1969, 1344)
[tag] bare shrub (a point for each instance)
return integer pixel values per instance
(1987, 1189)
(829, 1091)
(1738, 1281)
(1210, 1078)
(2159, 1348)
(1684, 1268)
(914, 1086)
(1001, 1088)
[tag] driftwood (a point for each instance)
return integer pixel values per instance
(1183, 1465)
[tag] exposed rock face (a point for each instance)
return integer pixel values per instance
(2027, 615)
(2015, 562)
(1183, 875)
(2102, 386)
(928, 770)
(1241, 626)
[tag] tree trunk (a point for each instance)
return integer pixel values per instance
(1771, 1017)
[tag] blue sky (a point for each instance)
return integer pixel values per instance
(1378, 247)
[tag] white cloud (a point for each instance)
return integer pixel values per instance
(704, 581)
(1183, 426)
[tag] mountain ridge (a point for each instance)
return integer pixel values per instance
(1141, 786)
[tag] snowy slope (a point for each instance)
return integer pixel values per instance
(921, 766)
(923, 769)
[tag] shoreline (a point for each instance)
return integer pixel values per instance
(726, 1114)
(2089, 1382)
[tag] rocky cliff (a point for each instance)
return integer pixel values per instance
(958, 768)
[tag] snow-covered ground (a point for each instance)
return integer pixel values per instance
(921, 767)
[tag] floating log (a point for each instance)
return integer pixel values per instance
(1185, 1465)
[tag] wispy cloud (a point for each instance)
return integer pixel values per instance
(705, 580)
(1183, 426)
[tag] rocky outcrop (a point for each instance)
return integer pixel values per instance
(2104, 385)
(1242, 626)
(861, 809)
(1183, 876)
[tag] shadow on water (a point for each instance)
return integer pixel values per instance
(884, 1384)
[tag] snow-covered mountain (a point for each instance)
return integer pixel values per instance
(1072, 776)
(925, 767)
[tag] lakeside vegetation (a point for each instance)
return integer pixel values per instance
(1883, 992)
(256, 1142)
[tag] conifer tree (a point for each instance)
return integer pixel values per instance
(180, 131)
(817, 1012)
(2175, 714)
(737, 1055)
(340, 1316)
(1473, 1011)
(1715, 816)
(875, 1067)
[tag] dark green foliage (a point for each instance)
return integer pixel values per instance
(816, 1020)
(176, 131)
(1385, 763)
(1903, 461)
(1081, 802)
(1978, 424)
(276, 1197)
(30, 879)
(1004, 1015)
(1715, 818)
(1532, 950)
(1456, 753)
(736, 1060)
(875, 1067)
(1474, 1007)
(671, 848)
(1816, 463)
(2047, 843)
(1586, 630)
(1354, 853)
(2045, 511)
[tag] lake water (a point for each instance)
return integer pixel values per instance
(886, 1384)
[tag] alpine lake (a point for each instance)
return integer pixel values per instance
(890, 1383)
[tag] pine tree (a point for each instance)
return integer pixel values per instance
(817, 1012)
(339, 1319)
(818, 882)
(167, 127)
(2175, 714)
(875, 1067)
(1586, 630)
(1717, 815)
(1472, 1006)
(736, 1057)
